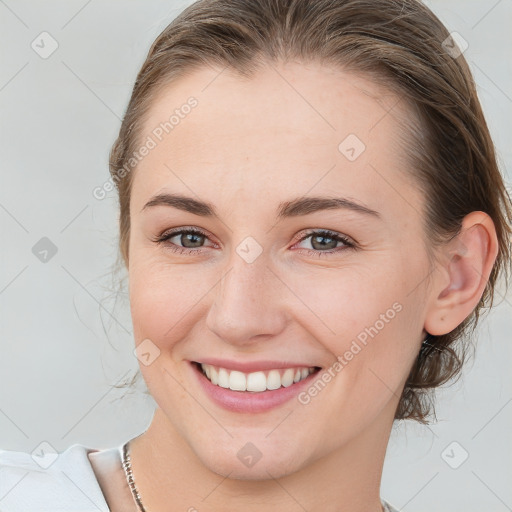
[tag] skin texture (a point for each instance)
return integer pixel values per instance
(249, 145)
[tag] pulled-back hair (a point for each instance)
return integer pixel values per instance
(398, 43)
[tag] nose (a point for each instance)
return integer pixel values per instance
(248, 303)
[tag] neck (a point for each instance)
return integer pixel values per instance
(166, 471)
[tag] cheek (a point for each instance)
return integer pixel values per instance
(369, 322)
(341, 303)
(163, 298)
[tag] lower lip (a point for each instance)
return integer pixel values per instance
(247, 401)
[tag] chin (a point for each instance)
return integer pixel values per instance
(265, 468)
(240, 458)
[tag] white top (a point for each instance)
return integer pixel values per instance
(57, 482)
(36, 484)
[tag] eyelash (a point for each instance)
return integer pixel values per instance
(164, 237)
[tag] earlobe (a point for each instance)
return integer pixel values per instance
(469, 258)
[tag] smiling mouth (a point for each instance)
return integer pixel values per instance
(256, 382)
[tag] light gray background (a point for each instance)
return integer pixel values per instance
(66, 339)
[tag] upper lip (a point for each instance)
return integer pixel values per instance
(252, 366)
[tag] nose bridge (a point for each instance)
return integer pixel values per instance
(246, 301)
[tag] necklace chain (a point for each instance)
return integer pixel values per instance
(127, 466)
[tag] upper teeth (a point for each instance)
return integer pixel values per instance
(256, 381)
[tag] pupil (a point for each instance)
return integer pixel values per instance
(193, 235)
(323, 244)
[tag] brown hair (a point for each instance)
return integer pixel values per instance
(400, 43)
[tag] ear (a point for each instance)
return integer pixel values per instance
(466, 262)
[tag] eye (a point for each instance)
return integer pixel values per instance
(191, 238)
(325, 239)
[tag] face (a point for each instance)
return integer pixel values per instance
(275, 275)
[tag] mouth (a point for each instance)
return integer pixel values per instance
(254, 382)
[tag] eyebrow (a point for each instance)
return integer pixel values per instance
(294, 208)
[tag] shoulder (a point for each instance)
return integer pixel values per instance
(48, 481)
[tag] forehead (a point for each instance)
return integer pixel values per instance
(287, 127)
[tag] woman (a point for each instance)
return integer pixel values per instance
(312, 217)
